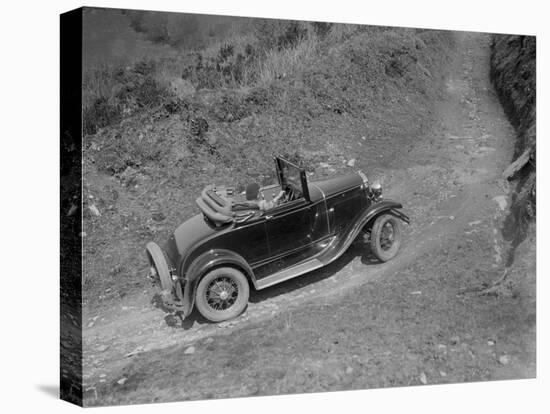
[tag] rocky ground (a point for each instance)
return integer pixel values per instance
(426, 317)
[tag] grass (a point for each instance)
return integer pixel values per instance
(288, 61)
(246, 60)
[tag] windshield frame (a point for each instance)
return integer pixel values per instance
(281, 163)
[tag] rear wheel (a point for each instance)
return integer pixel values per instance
(222, 294)
(385, 238)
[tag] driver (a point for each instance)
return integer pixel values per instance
(253, 195)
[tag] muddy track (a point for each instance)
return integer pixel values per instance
(452, 184)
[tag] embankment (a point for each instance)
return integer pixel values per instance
(513, 72)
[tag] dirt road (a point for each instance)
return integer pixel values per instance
(450, 184)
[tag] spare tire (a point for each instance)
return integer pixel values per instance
(158, 263)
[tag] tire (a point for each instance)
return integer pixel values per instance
(385, 238)
(158, 261)
(222, 294)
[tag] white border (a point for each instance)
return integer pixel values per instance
(29, 207)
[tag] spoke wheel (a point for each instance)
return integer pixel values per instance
(386, 237)
(222, 294)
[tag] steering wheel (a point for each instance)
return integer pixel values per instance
(291, 193)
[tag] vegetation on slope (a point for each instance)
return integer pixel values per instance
(158, 131)
(513, 71)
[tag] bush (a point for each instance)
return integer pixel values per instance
(279, 34)
(101, 114)
(129, 91)
(321, 28)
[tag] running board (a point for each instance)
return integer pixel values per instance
(289, 273)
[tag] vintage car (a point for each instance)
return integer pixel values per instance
(211, 260)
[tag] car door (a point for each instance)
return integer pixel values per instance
(289, 228)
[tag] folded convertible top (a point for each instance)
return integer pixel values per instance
(220, 210)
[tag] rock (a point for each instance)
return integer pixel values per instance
(102, 375)
(349, 370)
(504, 359)
(517, 165)
(443, 373)
(228, 324)
(122, 381)
(416, 292)
(351, 163)
(159, 216)
(455, 340)
(324, 165)
(209, 340)
(189, 351)
(102, 348)
(491, 343)
(423, 378)
(501, 201)
(136, 351)
(441, 347)
(94, 210)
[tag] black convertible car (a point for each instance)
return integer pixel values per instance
(211, 260)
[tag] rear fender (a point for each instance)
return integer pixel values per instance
(204, 263)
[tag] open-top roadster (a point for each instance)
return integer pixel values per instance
(211, 260)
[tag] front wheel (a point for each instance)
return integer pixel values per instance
(385, 238)
(222, 294)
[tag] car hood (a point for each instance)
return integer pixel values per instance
(187, 235)
(335, 185)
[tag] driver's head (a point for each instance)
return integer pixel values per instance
(252, 191)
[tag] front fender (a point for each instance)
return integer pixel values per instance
(388, 206)
(202, 264)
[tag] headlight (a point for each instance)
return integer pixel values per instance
(376, 189)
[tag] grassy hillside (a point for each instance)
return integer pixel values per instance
(157, 131)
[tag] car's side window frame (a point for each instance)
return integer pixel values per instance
(283, 208)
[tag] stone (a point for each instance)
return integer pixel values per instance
(423, 378)
(504, 359)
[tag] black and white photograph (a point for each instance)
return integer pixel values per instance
(251, 206)
(277, 206)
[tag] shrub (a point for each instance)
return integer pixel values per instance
(101, 114)
(321, 28)
(279, 34)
